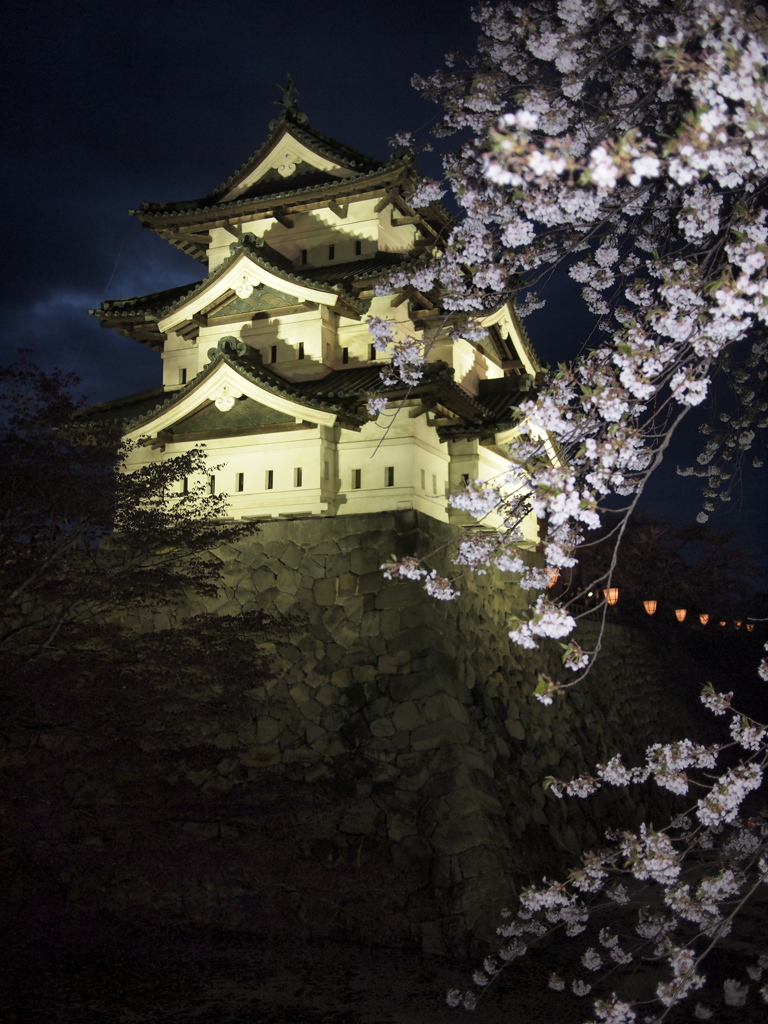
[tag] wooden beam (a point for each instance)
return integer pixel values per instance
(415, 413)
(202, 239)
(387, 199)
(188, 330)
(340, 211)
(427, 303)
(281, 217)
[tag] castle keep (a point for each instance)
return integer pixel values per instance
(410, 720)
(268, 360)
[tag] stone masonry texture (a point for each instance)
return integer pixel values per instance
(394, 759)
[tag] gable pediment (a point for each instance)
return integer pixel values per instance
(245, 416)
(243, 278)
(206, 404)
(288, 157)
(260, 299)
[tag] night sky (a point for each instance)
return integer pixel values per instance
(111, 104)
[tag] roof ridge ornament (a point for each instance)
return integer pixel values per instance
(290, 105)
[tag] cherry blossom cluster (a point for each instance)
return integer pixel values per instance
(704, 866)
(625, 142)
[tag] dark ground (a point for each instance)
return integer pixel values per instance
(80, 971)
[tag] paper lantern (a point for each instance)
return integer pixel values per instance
(680, 614)
(650, 606)
(611, 595)
(704, 618)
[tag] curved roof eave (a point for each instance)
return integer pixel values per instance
(264, 380)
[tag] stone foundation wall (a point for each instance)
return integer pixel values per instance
(424, 711)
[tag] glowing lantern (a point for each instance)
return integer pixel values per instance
(650, 606)
(723, 623)
(704, 618)
(680, 614)
(611, 595)
(737, 624)
(750, 626)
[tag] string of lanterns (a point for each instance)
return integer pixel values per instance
(611, 595)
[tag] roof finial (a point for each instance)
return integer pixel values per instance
(290, 103)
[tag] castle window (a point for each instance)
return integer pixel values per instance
(331, 252)
(297, 475)
(211, 484)
(185, 485)
(464, 479)
(423, 480)
(373, 352)
(270, 481)
(241, 482)
(301, 350)
(434, 484)
(389, 476)
(357, 479)
(358, 248)
(273, 354)
(303, 257)
(327, 470)
(182, 376)
(345, 355)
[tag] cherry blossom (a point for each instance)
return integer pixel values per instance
(626, 143)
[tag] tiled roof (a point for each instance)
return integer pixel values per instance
(142, 305)
(361, 270)
(214, 203)
(341, 391)
(160, 304)
(312, 139)
(246, 362)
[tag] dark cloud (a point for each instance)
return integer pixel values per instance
(108, 105)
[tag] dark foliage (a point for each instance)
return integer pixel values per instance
(83, 540)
